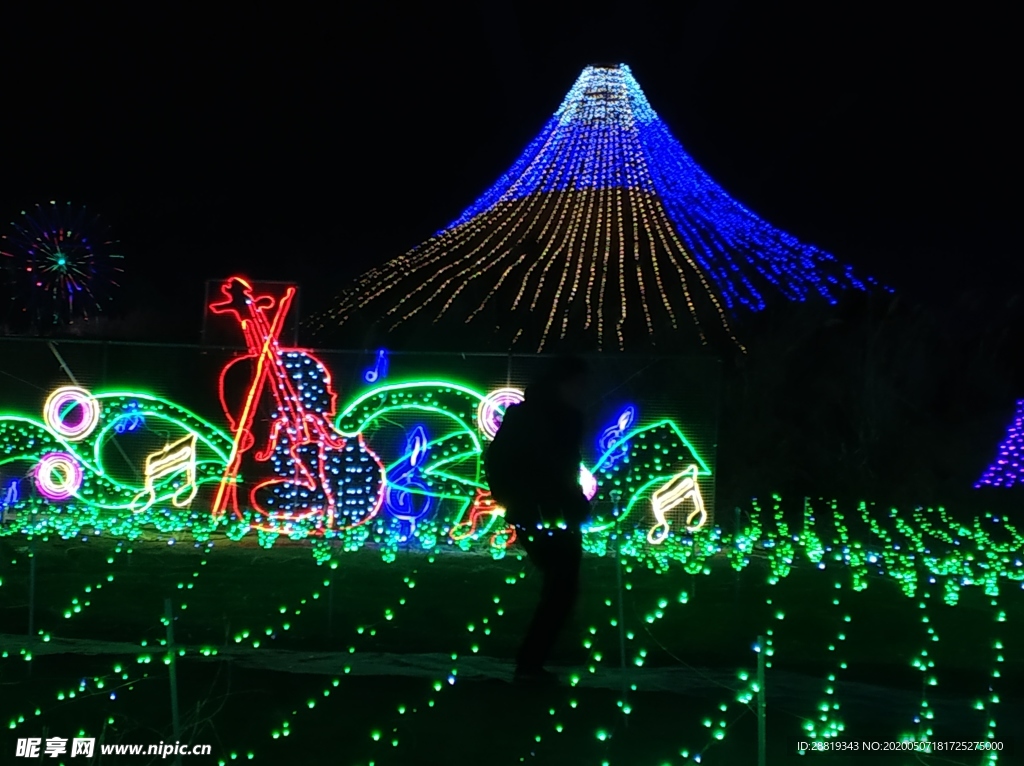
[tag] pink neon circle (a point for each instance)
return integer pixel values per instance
(588, 482)
(492, 409)
(66, 397)
(58, 476)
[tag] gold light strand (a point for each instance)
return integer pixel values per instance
(598, 250)
(600, 299)
(586, 108)
(510, 216)
(637, 209)
(472, 267)
(504, 275)
(576, 252)
(639, 214)
(474, 270)
(663, 225)
(546, 250)
(418, 257)
(494, 261)
(534, 219)
(632, 181)
(564, 245)
(562, 201)
(622, 294)
(441, 246)
(657, 216)
(587, 247)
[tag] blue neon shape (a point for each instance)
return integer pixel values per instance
(129, 420)
(379, 371)
(611, 436)
(410, 507)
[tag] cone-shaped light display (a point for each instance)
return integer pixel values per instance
(604, 235)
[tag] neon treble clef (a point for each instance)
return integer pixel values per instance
(612, 435)
(401, 498)
(418, 442)
(379, 370)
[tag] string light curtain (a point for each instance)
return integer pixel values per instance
(604, 233)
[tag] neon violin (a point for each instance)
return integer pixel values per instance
(318, 472)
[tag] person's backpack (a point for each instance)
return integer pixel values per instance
(506, 458)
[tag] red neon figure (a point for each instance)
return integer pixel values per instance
(483, 505)
(317, 471)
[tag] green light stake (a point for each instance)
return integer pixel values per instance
(928, 678)
(476, 641)
(173, 666)
(993, 699)
(616, 497)
(76, 606)
(325, 558)
(830, 723)
(590, 645)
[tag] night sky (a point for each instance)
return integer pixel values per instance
(309, 145)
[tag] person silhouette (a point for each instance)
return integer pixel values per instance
(533, 470)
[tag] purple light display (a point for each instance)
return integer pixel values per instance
(1006, 470)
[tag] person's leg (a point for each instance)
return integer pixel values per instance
(558, 555)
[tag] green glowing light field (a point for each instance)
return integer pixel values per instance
(877, 625)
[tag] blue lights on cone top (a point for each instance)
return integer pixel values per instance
(589, 143)
(609, 229)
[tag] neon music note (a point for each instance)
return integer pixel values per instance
(130, 420)
(379, 370)
(177, 457)
(671, 495)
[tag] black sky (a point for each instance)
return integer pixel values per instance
(310, 144)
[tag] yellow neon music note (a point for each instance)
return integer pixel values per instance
(673, 493)
(177, 457)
